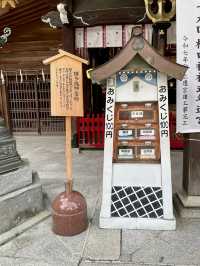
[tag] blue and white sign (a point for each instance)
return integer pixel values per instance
(148, 77)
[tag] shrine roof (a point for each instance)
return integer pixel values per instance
(62, 54)
(138, 46)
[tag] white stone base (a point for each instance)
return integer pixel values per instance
(137, 223)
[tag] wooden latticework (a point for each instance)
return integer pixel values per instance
(29, 106)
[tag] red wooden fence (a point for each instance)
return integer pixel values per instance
(176, 140)
(90, 131)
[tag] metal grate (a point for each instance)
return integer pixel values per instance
(48, 124)
(23, 108)
(137, 202)
(29, 106)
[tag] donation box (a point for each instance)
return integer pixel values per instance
(137, 188)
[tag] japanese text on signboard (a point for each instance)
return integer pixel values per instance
(188, 54)
(67, 87)
(185, 83)
(197, 55)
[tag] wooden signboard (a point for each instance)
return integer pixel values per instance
(66, 84)
(66, 96)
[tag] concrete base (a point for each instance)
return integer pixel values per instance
(18, 206)
(137, 223)
(186, 211)
(15, 179)
(189, 201)
(21, 228)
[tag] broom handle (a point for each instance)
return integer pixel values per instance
(68, 151)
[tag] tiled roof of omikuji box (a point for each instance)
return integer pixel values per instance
(138, 45)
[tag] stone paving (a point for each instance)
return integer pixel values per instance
(38, 246)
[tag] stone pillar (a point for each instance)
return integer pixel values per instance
(191, 165)
(187, 201)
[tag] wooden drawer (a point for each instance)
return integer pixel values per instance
(148, 151)
(138, 151)
(136, 113)
(136, 132)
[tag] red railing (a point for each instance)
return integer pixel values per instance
(176, 140)
(90, 131)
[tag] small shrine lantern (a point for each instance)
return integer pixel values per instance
(137, 188)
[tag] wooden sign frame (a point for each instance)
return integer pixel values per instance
(66, 84)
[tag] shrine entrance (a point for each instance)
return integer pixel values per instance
(29, 106)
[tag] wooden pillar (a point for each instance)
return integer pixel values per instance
(160, 36)
(69, 46)
(68, 38)
(4, 112)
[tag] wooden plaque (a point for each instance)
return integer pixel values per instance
(66, 88)
(66, 84)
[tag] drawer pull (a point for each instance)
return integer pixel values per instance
(124, 105)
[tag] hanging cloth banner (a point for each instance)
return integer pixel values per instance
(188, 54)
(107, 36)
(115, 35)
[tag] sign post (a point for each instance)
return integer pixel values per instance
(69, 209)
(68, 155)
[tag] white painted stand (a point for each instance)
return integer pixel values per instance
(153, 177)
(138, 223)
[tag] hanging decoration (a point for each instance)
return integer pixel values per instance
(4, 37)
(12, 3)
(53, 19)
(2, 77)
(160, 10)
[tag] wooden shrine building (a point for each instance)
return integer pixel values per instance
(96, 30)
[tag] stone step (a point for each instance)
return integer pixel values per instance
(16, 207)
(16, 179)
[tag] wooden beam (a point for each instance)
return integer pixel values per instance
(23, 15)
(11, 3)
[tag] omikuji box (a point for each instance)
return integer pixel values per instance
(137, 188)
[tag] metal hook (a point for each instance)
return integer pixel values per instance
(43, 75)
(2, 77)
(21, 76)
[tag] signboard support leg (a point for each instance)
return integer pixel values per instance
(68, 153)
(69, 209)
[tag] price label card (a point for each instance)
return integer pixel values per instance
(147, 132)
(125, 134)
(137, 114)
(126, 153)
(147, 153)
